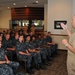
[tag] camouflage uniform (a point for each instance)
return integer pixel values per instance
(8, 44)
(7, 69)
(42, 50)
(36, 56)
(47, 50)
(53, 47)
(14, 41)
(20, 47)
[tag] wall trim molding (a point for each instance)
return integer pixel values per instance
(63, 49)
(59, 35)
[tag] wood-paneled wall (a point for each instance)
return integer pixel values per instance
(27, 13)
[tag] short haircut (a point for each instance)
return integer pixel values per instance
(27, 36)
(21, 35)
(49, 32)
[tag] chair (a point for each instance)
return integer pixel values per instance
(22, 60)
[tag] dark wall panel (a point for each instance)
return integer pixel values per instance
(29, 13)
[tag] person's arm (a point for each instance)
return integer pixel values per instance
(70, 47)
(3, 62)
(50, 43)
(13, 48)
(7, 60)
(27, 51)
(69, 33)
(30, 50)
(20, 52)
(66, 29)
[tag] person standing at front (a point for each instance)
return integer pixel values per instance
(71, 48)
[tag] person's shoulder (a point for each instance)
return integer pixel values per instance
(2, 49)
(17, 43)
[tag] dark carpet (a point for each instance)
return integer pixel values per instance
(57, 65)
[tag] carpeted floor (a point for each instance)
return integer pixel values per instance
(56, 67)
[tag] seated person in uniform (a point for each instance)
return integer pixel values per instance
(22, 53)
(42, 50)
(34, 53)
(8, 46)
(51, 43)
(6, 67)
(15, 39)
(32, 29)
(47, 48)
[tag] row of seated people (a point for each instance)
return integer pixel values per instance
(34, 51)
(7, 67)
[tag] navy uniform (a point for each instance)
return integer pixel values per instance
(20, 47)
(53, 46)
(8, 44)
(43, 42)
(14, 41)
(42, 50)
(6, 69)
(40, 43)
(36, 55)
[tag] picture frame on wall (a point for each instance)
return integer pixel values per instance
(57, 24)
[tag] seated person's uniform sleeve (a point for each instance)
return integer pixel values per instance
(20, 47)
(29, 45)
(49, 39)
(2, 54)
(4, 44)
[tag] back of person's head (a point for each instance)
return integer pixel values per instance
(27, 37)
(49, 32)
(33, 37)
(21, 37)
(38, 35)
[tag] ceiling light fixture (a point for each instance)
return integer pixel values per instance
(8, 7)
(14, 3)
(25, 6)
(36, 1)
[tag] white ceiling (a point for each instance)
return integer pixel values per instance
(21, 3)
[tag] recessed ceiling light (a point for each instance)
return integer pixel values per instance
(8, 7)
(25, 6)
(14, 3)
(36, 1)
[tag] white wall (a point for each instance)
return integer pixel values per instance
(5, 16)
(58, 40)
(59, 10)
(73, 9)
(73, 13)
